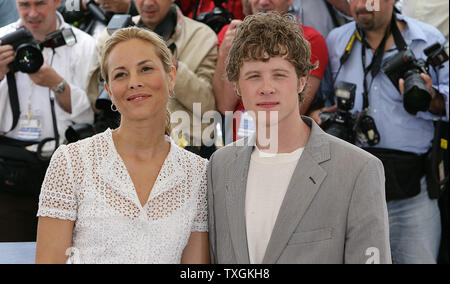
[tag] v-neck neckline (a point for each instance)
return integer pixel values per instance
(155, 188)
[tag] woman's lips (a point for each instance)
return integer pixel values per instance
(138, 97)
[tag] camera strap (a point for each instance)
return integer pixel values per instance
(375, 66)
(13, 99)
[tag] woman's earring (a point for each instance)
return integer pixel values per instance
(113, 108)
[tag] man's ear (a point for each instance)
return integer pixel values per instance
(301, 84)
(237, 90)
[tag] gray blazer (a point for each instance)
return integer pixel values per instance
(334, 210)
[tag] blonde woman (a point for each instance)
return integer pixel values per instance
(128, 195)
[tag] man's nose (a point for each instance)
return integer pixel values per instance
(267, 88)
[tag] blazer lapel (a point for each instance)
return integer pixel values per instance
(235, 201)
(304, 185)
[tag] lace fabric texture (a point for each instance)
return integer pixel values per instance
(87, 182)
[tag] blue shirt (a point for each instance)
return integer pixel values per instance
(398, 129)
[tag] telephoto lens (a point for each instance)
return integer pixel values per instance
(28, 57)
(416, 97)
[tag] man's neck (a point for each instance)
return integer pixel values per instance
(41, 36)
(375, 37)
(289, 136)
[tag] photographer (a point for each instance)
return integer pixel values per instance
(194, 48)
(397, 128)
(49, 100)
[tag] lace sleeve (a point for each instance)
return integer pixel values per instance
(201, 219)
(57, 198)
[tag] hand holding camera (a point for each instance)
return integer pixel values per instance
(6, 57)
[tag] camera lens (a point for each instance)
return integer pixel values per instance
(28, 58)
(417, 96)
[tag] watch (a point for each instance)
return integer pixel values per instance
(60, 88)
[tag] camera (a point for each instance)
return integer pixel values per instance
(343, 124)
(404, 65)
(28, 58)
(217, 18)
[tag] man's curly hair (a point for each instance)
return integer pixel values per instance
(266, 35)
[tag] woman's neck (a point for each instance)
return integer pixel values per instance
(141, 141)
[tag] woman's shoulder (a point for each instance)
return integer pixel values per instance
(92, 145)
(189, 159)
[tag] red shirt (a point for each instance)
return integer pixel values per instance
(233, 6)
(319, 53)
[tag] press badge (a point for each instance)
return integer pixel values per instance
(29, 127)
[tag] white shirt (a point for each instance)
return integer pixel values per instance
(267, 182)
(73, 64)
(87, 182)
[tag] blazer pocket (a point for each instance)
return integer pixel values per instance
(311, 236)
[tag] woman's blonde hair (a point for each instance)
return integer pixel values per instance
(130, 33)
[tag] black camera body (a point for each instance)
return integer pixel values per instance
(217, 18)
(28, 58)
(343, 124)
(404, 65)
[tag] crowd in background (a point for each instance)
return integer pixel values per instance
(199, 34)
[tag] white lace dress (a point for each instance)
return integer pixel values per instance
(87, 182)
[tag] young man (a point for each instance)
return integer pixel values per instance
(294, 203)
(226, 100)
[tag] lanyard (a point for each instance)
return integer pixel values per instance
(374, 67)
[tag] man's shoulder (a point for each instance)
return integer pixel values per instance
(230, 151)
(193, 27)
(342, 152)
(8, 29)
(422, 30)
(340, 32)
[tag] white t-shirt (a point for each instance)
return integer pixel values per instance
(268, 179)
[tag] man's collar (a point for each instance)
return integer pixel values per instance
(411, 31)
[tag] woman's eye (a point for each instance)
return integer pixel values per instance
(147, 68)
(119, 75)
